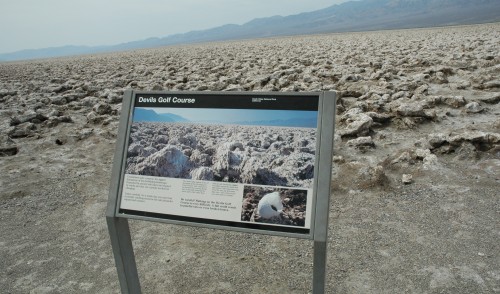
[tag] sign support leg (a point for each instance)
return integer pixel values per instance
(123, 252)
(319, 267)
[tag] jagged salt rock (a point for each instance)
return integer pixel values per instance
(202, 173)
(430, 162)
(357, 124)
(407, 179)
(102, 108)
(437, 139)
(167, 162)
(454, 101)
(411, 110)
(361, 142)
(473, 107)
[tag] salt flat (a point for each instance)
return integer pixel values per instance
(415, 204)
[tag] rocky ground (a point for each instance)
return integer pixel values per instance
(415, 206)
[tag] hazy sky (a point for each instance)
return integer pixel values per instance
(34, 24)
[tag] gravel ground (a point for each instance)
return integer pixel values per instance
(415, 206)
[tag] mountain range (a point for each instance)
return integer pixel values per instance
(149, 115)
(364, 15)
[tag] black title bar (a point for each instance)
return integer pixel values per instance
(252, 100)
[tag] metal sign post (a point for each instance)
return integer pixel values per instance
(119, 232)
(154, 177)
(323, 196)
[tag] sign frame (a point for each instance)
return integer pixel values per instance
(117, 220)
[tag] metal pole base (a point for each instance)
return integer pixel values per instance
(319, 267)
(123, 252)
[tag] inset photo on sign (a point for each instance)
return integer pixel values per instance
(274, 205)
(245, 146)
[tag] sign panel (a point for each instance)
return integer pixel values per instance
(239, 161)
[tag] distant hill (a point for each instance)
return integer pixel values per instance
(350, 16)
(148, 115)
(173, 117)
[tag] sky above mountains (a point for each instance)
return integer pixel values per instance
(34, 24)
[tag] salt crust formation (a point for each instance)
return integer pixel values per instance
(412, 104)
(229, 153)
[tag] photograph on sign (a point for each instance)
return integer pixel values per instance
(274, 205)
(239, 161)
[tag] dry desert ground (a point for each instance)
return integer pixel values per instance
(415, 205)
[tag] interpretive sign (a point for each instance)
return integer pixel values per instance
(247, 161)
